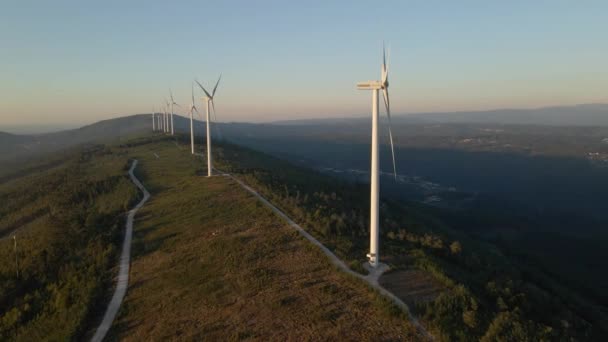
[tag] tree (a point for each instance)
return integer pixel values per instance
(455, 248)
(510, 326)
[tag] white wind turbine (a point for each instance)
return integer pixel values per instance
(192, 110)
(153, 120)
(161, 119)
(159, 125)
(375, 86)
(209, 99)
(167, 122)
(164, 116)
(172, 103)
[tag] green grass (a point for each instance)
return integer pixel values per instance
(209, 261)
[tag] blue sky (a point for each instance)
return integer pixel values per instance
(74, 62)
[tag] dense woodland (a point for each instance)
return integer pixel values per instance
(68, 217)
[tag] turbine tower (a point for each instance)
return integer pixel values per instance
(166, 116)
(160, 119)
(192, 110)
(172, 103)
(153, 120)
(375, 86)
(209, 99)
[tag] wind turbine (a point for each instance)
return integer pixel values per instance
(192, 110)
(209, 99)
(375, 86)
(153, 120)
(160, 119)
(166, 116)
(172, 103)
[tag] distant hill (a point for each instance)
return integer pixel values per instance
(8, 138)
(15, 147)
(579, 115)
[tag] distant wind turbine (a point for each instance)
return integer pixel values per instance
(167, 116)
(172, 103)
(192, 110)
(160, 119)
(209, 99)
(153, 121)
(375, 86)
(164, 116)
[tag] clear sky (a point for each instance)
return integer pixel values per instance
(75, 62)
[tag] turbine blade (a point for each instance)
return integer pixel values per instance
(217, 126)
(206, 92)
(216, 84)
(383, 54)
(171, 94)
(192, 93)
(387, 104)
(388, 60)
(384, 65)
(213, 110)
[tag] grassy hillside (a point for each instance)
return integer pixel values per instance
(211, 262)
(15, 149)
(68, 222)
(487, 293)
(464, 296)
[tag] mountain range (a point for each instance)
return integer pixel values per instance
(15, 147)
(578, 115)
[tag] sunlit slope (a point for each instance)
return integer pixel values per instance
(211, 262)
(17, 148)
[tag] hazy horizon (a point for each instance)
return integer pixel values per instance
(73, 63)
(56, 127)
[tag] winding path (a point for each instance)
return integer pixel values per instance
(371, 278)
(125, 260)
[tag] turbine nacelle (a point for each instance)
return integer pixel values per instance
(369, 85)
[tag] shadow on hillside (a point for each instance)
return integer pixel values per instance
(142, 246)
